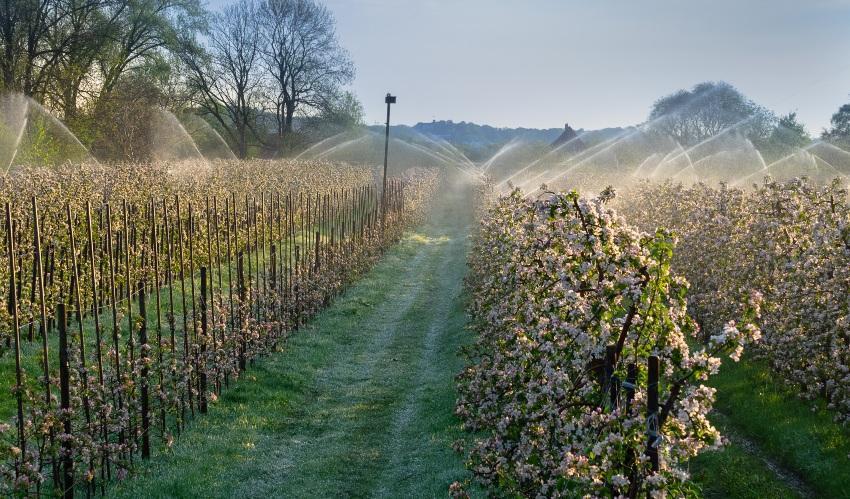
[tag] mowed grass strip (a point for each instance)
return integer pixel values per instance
(800, 436)
(735, 471)
(360, 403)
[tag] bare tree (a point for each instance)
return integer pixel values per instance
(84, 35)
(302, 55)
(227, 77)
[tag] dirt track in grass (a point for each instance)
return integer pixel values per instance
(361, 401)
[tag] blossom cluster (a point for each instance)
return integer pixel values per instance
(788, 241)
(558, 286)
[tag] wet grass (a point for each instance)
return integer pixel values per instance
(360, 403)
(800, 437)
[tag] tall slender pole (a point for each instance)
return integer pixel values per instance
(65, 403)
(390, 99)
(13, 307)
(39, 266)
(144, 349)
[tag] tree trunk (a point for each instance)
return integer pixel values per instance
(242, 140)
(281, 120)
(69, 102)
(290, 113)
(9, 56)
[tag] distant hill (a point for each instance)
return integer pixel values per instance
(473, 133)
(478, 142)
(481, 142)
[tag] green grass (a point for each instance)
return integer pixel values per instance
(735, 471)
(359, 403)
(807, 443)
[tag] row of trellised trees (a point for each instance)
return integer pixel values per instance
(585, 379)
(125, 320)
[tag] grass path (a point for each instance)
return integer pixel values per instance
(781, 446)
(360, 403)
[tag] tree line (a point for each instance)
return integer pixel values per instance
(253, 69)
(711, 108)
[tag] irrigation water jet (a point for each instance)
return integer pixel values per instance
(30, 134)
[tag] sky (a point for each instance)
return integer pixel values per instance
(592, 63)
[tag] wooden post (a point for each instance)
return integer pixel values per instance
(16, 333)
(290, 238)
(42, 301)
(232, 318)
(317, 256)
(273, 269)
(210, 262)
(190, 231)
(187, 371)
(296, 290)
(128, 239)
(202, 368)
(240, 276)
(144, 359)
(78, 298)
(302, 232)
(155, 242)
(128, 287)
(229, 237)
(65, 403)
(255, 288)
(306, 228)
(97, 335)
(652, 430)
(210, 291)
(261, 215)
(39, 268)
(33, 287)
(219, 273)
(116, 326)
(172, 325)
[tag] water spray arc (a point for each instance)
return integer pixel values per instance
(27, 127)
(512, 144)
(16, 144)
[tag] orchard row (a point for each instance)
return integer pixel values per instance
(790, 241)
(587, 370)
(135, 294)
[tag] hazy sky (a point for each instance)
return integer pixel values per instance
(593, 63)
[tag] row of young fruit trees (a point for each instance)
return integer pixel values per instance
(135, 294)
(596, 329)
